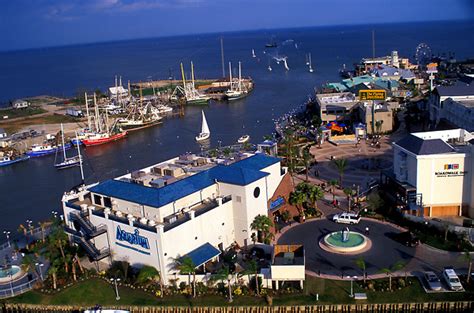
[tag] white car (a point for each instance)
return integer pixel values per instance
(452, 279)
(346, 218)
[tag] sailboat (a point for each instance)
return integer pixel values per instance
(205, 132)
(253, 54)
(67, 162)
(310, 65)
(307, 61)
(286, 64)
(235, 92)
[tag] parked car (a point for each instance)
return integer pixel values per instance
(346, 218)
(407, 238)
(432, 280)
(452, 279)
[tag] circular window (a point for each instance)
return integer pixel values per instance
(256, 192)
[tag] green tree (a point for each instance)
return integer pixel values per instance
(224, 275)
(341, 165)
(350, 193)
(306, 158)
(149, 274)
(297, 198)
(262, 224)
(314, 194)
(252, 269)
(285, 215)
(468, 257)
(390, 270)
(375, 202)
(333, 184)
(360, 262)
(186, 266)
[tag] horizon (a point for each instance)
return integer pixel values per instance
(54, 23)
(229, 32)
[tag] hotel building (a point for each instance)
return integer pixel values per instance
(187, 206)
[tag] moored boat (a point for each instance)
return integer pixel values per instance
(131, 125)
(102, 138)
(39, 150)
(67, 162)
(243, 139)
(7, 160)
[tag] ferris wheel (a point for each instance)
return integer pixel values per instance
(423, 54)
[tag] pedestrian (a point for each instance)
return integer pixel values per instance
(367, 230)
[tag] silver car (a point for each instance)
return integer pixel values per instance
(432, 280)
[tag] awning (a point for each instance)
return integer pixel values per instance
(203, 254)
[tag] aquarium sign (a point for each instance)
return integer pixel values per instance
(132, 238)
(450, 170)
(369, 94)
(277, 203)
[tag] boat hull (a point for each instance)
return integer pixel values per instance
(35, 154)
(202, 137)
(198, 102)
(17, 160)
(100, 141)
(137, 127)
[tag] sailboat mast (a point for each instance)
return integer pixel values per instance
(97, 122)
(192, 73)
(240, 77)
(62, 137)
(230, 76)
(116, 89)
(182, 74)
(80, 160)
(87, 112)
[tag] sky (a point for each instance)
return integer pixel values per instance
(40, 23)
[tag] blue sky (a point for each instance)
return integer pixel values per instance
(38, 23)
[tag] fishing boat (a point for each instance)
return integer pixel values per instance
(243, 139)
(191, 94)
(39, 150)
(205, 132)
(310, 65)
(253, 54)
(132, 125)
(67, 162)
(102, 138)
(7, 160)
(164, 109)
(236, 90)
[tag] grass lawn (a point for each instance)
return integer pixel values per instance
(14, 113)
(96, 291)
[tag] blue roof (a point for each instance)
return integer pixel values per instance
(203, 254)
(240, 173)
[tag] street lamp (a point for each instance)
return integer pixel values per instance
(7, 234)
(352, 278)
(115, 280)
(40, 265)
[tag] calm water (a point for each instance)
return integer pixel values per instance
(31, 190)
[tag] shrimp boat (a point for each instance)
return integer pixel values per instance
(39, 150)
(205, 132)
(8, 160)
(243, 139)
(67, 162)
(102, 136)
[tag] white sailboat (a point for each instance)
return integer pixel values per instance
(307, 61)
(205, 132)
(67, 162)
(286, 64)
(253, 54)
(310, 65)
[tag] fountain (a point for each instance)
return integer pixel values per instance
(346, 242)
(10, 273)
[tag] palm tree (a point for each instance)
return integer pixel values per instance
(349, 193)
(333, 184)
(22, 229)
(389, 271)
(297, 198)
(149, 274)
(252, 268)
(320, 137)
(43, 226)
(262, 225)
(306, 158)
(378, 126)
(314, 194)
(468, 257)
(224, 275)
(360, 262)
(186, 266)
(27, 263)
(53, 270)
(289, 140)
(341, 165)
(59, 239)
